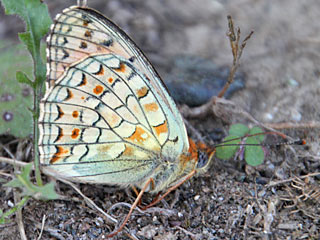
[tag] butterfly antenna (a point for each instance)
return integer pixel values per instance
(292, 142)
(82, 3)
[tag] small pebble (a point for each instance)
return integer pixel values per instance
(268, 116)
(10, 204)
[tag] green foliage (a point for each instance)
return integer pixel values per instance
(5, 215)
(229, 148)
(36, 17)
(254, 155)
(15, 99)
(23, 182)
(37, 20)
(238, 130)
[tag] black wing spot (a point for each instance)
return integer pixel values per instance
(88, 34)
(68, 30)
(175, 139)
(100, 71)
(65, 41)
(83, 45)
(98, 106)
(104, 93)
(107, 43)
(132, 59)
(114, 83)
(60, 134)
(60, 113)
(81, 116)
(86, 20)
(83, 80)
(69, 95)
(132, 74)
(65, 54)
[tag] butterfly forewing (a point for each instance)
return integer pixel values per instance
(81, 32)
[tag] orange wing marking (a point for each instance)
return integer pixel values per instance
(110, 80)
(151, 107)
(162, 128)
(104, 148)
(98, 89)
(85, 23)
(83, 80)
(69, 94)
(75, 133)
(128, 151)
(60, 152)
(139, 135)
(121, 68)
(100, 72)
(192, 156)
(88, 34)
(142, 92)
(75, 114)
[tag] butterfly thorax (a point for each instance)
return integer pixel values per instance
(171, 171)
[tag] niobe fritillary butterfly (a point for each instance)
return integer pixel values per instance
(106, 116)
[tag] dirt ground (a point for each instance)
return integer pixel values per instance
(281, 65)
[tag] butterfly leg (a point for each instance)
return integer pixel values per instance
(158, 199)
(136, 202)
(137, 193)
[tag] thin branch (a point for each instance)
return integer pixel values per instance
(234, 39)
(290, 125)
(42, 227)
(274, 183)
(18, 213)
(13, 161)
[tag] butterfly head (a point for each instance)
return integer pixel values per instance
(203, 155)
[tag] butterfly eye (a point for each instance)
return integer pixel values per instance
(202, 159)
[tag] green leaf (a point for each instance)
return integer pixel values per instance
(14, 183)
(226, 151)
(23, 177)
(256, 130)
(2, 217)
(47, 192)
(23, 182)
(23, 78)
(238, 130)
(36, 17)
(254, 155)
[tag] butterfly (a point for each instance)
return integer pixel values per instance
(107, 117)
